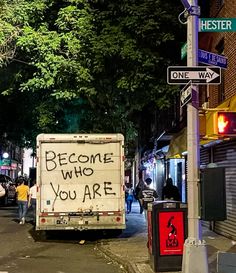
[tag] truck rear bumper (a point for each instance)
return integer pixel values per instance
(79, 222)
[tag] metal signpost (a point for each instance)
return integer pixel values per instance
(194, 246)
(195, 74)
(195, 253)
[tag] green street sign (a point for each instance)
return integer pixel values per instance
(5, 162)
(184, 51)
(217, 24)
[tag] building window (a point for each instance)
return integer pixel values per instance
(220, 47)
(219, 4)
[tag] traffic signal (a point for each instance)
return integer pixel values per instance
(217, 123)
(226, 123)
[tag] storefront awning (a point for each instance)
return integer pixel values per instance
(178, 144)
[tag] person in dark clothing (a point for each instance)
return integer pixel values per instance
(170, 191)
(147, 195)
(138, 189)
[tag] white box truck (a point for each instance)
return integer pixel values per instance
(80, 182)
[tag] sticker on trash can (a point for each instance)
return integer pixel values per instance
(171, 233)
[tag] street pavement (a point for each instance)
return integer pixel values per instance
(22, 250)
(130, 249)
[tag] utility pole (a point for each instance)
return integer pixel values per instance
(195, 254)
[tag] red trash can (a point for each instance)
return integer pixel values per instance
(167, 231)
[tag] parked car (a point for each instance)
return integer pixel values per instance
(10, 187)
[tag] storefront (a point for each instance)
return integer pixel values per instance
(9, 167)
(176, 162)
(221, 150)
(153, 165)
(223, 154)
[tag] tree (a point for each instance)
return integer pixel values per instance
(110, 56)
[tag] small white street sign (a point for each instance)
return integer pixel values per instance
(196, 74)
(186, 94)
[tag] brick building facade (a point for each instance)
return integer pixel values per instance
(222, 43)
(222, 151)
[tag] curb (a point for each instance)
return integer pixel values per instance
(128, 267)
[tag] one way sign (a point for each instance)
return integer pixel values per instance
(186, 94)
(195, 74)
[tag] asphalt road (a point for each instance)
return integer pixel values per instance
(23, 251)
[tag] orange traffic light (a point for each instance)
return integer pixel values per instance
(226, 123)
(222, 123)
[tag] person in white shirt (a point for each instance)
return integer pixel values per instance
(2, 191)
(147, 195)
(32, 199)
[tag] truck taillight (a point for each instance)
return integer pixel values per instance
(118, 219)
(43, 220)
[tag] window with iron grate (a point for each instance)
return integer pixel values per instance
(219, 4)
(221, 88)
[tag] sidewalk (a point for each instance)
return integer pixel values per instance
(130, 249)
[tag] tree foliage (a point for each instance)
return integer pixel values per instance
(102, 61)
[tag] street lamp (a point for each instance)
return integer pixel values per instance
(5, 155)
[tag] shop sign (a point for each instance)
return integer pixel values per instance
(5, 162)
(13, 166)
(171, 233)
(5, 167)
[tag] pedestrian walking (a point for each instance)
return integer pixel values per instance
(170, 191)
(129, 198)
(32, 199)
(147, 195)
(2, 191)
(138, 189)
(22, 192)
